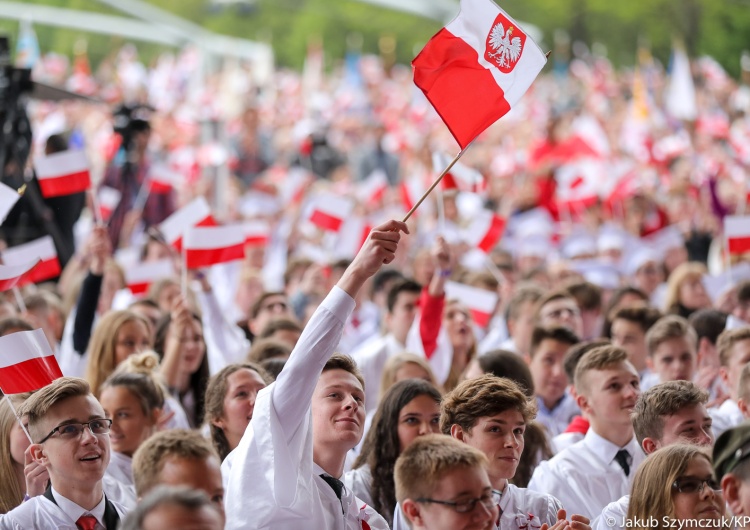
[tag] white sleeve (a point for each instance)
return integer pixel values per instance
(225, 342)
(292, 393)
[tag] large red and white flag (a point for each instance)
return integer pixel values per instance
(578, 184)
(14, 275)
(139, 277)
(42, 249)
(476, 68)
(206, 246)
(27, 362)
(8, 199)
(480, 302)
(195, 213)
(737, 232)
(162, 179)
(63, 173)
(485, 231)
(329, 211)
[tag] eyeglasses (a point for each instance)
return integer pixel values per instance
(489, 500)
(71, 431)
(695, 485)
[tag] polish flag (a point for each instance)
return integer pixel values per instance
(195, 213)
(109, 198)
(27, 362)
(8, 199)
(329, 211)
(257, 233)
(410, 191)
(15, 275)
(206, 246)
(481, 302)
(162, 179)
(577, 183)
(294, 184)
(352, 236)
(485, 231)
(139, 277)
(476, 68)
(42, 249)
(63, 173)
(737, 232)
(372, 189)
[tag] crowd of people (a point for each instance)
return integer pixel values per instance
(585, 366)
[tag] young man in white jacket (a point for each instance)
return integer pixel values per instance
(285, 473)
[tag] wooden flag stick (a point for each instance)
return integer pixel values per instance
(95, 206)
(15, 413)
(19, 300)
(437, 181)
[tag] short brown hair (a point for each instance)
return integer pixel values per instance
(255, 309)
(279, 324)
(664, 399)
(268, 349)
(484, 396)
(726, 343)
(346, 363)
(587, 295)
(427, 459)
(643, 315)
(597, 359)
(38, 405)
(560, 294)
(743, 385)
(526, 293)
(668, 328)
(557, 333)
(149, 459)
(575, 352)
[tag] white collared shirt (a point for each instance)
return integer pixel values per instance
(75, 512)
(585, 476)
(371, 358)
(273, 464)
(615, 512)
(557, 419)
(39, 513)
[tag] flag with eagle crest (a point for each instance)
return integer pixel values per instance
(476, 68)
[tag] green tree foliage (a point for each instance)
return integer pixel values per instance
(720, 28)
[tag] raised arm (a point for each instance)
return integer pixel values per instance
(293, 390)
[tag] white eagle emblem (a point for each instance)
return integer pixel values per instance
(507, 48)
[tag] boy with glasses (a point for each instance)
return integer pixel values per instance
(442, 484)
(71, 440)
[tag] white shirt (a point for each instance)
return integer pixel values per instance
(517, 505)
(39, 513)
(557, 419)
(120, 468)
(273, 482)
(368, 315)
(495, 338)
(360, 482)
(371, 359)
(226, 343)
(119, 492)
(726, 416)
(613, 516)
(565, 440)
(585, 476)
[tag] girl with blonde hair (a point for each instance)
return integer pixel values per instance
(685, 292)
(676, 483)
(118, 335)
(406, 366)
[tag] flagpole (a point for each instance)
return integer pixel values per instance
(437, 181)
(142, 197)
(184, 282)
(15, 413)
(19, 300)
(495, 271)
(95, 206)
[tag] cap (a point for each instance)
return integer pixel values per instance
(731, 448)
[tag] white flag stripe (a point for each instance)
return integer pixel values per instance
(333, 205)
(8, 272)
(149, 272)
(474, 22)
(22, 346)
(475, 298)
(199, 238)
(109, 197)
(737, 226)
(187, 216)
(58, 164)
(8, 199)
(43, 248)
(256, 229)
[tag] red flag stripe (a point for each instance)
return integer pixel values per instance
(139, 288)
(45, 270)
(326, 221)
(493, 235)
(480, 317)
(65, 184)
(208, 221)
(739, 245)
(29, 375)
(256, 241)
(198, 258)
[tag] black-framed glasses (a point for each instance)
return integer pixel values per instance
(489, 500)
(70, 431)
(695, 484)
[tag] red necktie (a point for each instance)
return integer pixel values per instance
(86, 522)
